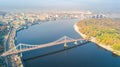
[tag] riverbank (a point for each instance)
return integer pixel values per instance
(77, 29)
(15, 60)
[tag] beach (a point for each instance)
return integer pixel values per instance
(77, 29)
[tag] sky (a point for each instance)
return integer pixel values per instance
(102, 5)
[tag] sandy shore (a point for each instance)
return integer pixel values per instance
(77, 29)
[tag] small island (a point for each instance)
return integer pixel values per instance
(105, 32)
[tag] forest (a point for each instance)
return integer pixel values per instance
(105, 30)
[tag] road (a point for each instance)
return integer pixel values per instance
(14, 60)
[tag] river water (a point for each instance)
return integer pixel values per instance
(87, 55)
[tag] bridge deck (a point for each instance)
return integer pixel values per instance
(33, 47)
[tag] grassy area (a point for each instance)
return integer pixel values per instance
(106, 31)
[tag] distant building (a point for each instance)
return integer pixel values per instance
(2, 13)
(98, 16)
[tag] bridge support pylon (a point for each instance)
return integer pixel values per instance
(81, 41)
(65, 45)
(21, 54)
(75, 42)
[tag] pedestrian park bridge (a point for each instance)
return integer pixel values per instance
(27, 47)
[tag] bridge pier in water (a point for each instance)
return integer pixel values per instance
(65, 45)
(81, 41)
(21, 54)
(76, 43)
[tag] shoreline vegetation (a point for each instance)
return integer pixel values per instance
(111, 27)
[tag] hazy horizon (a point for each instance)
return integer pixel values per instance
(92, 5)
